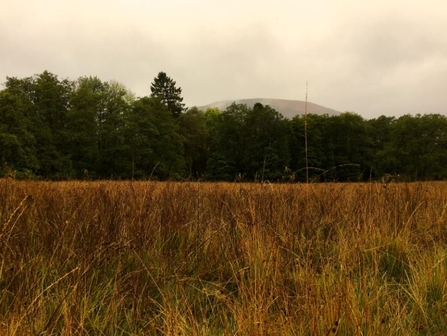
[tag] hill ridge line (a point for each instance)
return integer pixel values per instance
(287, 107)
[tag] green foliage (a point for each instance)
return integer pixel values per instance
(411, 146)
(193, 128)
(164, 88)
(44, 101)
(86, 102)
(218, 169)
(351, 145)
(17, 143)
(97, 128)
(228, 143)
(60, 129)
(249, 143)
(112, 143)
(339, 147)
(380, 133)
(319, 147)
(80, 129)
(155, 143)
(267, 143)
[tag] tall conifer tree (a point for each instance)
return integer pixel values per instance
(165, 89)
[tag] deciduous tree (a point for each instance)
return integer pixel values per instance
(156, 148)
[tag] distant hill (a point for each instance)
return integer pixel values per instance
(288, 108)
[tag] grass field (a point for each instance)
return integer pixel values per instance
(148, 258)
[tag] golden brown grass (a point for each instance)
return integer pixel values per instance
(147, 258)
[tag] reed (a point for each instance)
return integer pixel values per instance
(152, 258)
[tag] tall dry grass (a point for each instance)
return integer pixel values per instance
(147, 258)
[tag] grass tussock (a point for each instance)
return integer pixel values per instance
(147, 258)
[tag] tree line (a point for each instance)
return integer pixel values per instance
(53, 128)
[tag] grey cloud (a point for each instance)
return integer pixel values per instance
(387, 63)
(390, 42)
(230, 64)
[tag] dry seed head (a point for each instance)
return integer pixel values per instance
(6, 225)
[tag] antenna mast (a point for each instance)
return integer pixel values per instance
(305, 137)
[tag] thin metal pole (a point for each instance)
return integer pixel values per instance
(305, 138)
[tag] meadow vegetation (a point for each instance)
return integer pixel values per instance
(169, 258)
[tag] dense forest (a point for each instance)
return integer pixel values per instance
(52, 128)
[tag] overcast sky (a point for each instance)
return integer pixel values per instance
(370, 57)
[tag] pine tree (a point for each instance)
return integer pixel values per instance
(164, 88)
